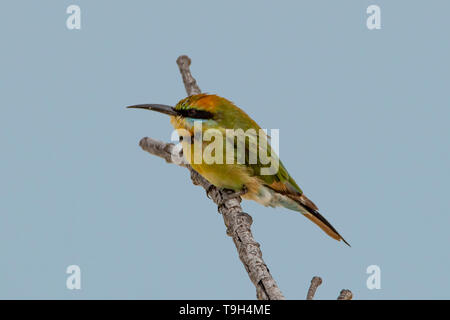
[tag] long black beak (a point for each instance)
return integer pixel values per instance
(158, 108)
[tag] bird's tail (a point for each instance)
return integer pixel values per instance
(309, 210)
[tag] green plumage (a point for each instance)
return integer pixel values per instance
(277, 188)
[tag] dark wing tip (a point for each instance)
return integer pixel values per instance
(346, 242)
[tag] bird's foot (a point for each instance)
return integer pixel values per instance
(208, 190)
(228, 194)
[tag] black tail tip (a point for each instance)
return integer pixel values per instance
(346, 242)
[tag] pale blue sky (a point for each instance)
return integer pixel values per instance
(364, 129)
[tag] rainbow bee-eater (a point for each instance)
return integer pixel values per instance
(276, 189)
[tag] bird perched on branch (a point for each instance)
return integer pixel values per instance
(244, 164)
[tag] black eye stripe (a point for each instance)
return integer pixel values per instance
(196, 114)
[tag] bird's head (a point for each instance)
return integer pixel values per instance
(213, 111)
(197, 107)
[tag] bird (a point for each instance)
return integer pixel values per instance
(198, 113)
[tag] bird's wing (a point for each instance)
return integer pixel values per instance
(280, 180)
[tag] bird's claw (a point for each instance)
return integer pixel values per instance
(228, 194)
(208, 190)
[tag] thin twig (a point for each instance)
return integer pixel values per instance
(315, 283)
(345, 295)
(189, 82)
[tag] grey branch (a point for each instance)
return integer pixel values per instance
(238, 223)
(315, 283)
(345, 295)
(189, 82)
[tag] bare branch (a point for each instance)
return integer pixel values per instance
(189, 82)
(315, 283)
(345, 295)
(238, 223)
(162, 150)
